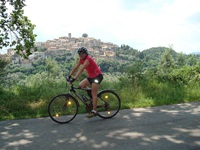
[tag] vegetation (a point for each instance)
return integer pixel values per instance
(153, 77)
(15, 28)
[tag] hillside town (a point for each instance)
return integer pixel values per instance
(66, 46)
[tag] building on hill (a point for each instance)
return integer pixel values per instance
(39, 44)
(10, 51)
(56, 52)
(67, 46)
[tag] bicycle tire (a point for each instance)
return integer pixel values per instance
(109, 104)
(63, 108)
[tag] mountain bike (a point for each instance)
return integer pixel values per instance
(63, 108)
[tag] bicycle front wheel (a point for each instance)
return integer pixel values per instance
(108, 104)
(63, 108)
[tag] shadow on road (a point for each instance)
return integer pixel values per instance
(167, 127)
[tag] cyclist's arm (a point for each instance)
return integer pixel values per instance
(75, 68)
(86, 63)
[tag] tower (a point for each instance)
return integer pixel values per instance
(69, 35)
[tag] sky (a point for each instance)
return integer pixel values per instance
(141, 24)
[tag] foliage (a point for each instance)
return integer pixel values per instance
(107, 65)
(134, 72)
(125, 52)
(158, 77)
(167, 61)
(15, 28)
(157, 52)
(3, 64)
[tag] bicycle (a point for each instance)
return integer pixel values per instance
(63, 108)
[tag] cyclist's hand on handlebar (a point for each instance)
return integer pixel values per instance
(69, 79)
(72, 80)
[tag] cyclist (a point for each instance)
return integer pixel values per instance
(94, 79)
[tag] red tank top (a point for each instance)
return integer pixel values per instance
(92, 69)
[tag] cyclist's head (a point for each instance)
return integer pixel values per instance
(82, 50)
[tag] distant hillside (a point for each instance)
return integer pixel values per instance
(196, 53)
(151, 54)
(156, 52)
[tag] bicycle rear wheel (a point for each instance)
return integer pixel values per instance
(108, 104)
(63, 108)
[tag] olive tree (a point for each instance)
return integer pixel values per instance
(16, 30)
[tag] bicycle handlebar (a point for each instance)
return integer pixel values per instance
(72, 85)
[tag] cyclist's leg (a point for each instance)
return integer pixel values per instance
(95, 88)
(95, 83)
(84, 83)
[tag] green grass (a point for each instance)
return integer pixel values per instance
(31, 100)
(158, 94)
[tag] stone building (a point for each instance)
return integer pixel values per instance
(67, 46)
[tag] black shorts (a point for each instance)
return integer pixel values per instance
(96, 79)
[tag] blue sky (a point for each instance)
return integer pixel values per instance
(141, 24)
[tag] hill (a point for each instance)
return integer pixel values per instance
(196, 53)
(155, 53)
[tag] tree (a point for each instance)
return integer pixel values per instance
(191, 60)
(16, 30)
(52, 68)
(135, 72)
(3, 64)
(167, 61)
(85, 35)
(181, 60)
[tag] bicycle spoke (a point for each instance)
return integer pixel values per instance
(108, 104)
(63, 108)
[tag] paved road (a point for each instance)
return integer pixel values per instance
(173, 127)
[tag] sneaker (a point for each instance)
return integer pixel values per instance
(93, 113)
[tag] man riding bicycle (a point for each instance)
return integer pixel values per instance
(94, 79)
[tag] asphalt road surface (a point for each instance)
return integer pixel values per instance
(173, 127)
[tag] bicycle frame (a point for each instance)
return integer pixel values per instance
(108, 104)
(88, 90)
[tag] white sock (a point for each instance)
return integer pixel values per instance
(94, 111)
